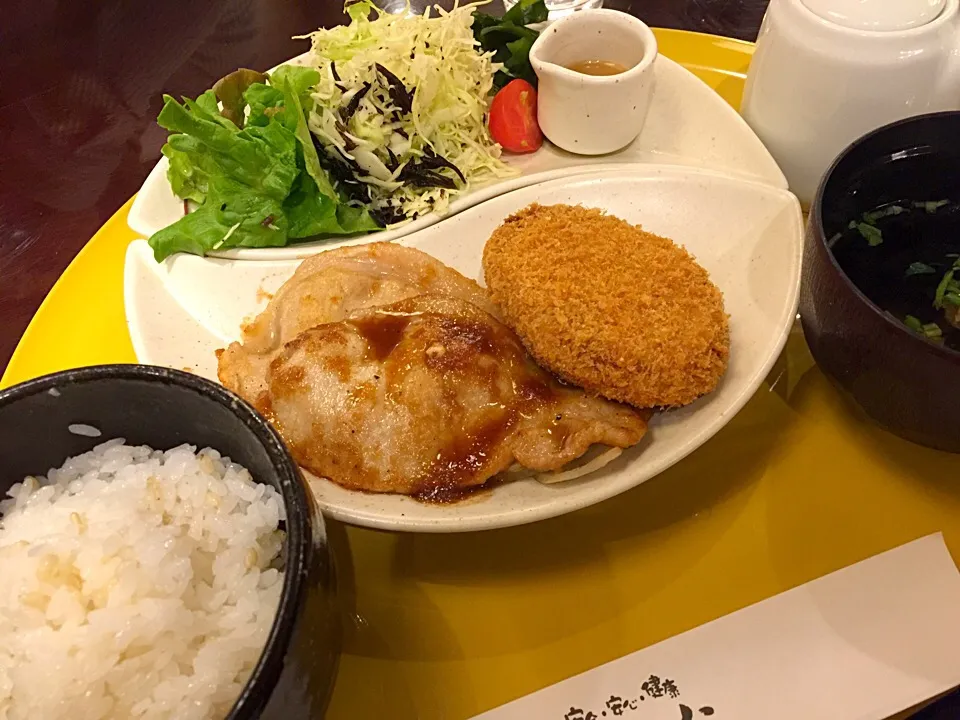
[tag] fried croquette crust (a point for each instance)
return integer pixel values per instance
(599, 302)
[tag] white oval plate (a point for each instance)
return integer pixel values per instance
(688, 124)
(748, 235)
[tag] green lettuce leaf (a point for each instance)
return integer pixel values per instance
(265, 103)
(259, 186)
(311, 213)
(262, 158)
(233, 216)
(295, 83)
(208, 103)
(188, 178)
(299, 80)
(356, 220)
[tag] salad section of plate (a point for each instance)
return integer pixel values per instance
(688, 124)
(746, 234)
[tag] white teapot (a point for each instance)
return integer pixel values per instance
(826, 72)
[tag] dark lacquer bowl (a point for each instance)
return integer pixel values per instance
(908, 384)
(164, 408)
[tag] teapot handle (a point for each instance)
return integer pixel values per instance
(947, 86)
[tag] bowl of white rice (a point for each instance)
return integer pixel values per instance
(160, 556)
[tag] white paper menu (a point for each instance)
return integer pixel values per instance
(862, 643)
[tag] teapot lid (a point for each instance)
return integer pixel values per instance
(877, 15)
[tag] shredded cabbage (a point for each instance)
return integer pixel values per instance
(401, 99)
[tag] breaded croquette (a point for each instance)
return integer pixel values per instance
(602, 304)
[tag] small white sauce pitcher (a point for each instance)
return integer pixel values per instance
(593, 114)
(826, 72)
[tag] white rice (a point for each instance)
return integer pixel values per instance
(135, 583)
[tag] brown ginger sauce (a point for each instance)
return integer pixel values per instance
(461, 346)
(601, 68)
(383, 332)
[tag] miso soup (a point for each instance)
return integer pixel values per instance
(905, 256)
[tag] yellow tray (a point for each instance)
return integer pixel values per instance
(446, 626)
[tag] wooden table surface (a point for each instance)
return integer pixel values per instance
(81, 85)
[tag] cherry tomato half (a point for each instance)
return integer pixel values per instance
(513, 118)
